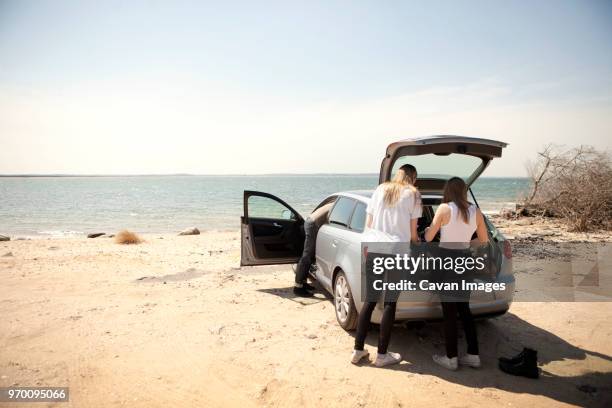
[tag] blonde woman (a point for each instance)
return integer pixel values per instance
(394, 209)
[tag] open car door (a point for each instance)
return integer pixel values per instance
(271, 231)
(437, 158)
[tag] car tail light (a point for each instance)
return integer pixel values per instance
(507, 249)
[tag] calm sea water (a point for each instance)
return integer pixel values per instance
(64, 206)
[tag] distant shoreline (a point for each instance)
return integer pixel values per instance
(216, 175)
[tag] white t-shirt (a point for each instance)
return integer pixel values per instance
(395, 220)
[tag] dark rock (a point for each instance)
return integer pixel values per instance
(4, 238)
(190, 231)
(8, 254)
(95, 235)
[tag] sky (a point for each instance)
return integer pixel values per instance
(154, 87)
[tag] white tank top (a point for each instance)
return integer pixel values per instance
(457, 230)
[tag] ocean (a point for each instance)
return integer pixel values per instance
(72, 206)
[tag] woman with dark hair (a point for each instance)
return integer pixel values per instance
(457, 220)
(394, 210)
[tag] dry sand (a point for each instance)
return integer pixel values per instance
(174, 322)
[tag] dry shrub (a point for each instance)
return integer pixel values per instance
(127, 237)
(573, 184)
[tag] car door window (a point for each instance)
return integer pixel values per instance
(341, 213)
(359, 218)
(264, 207)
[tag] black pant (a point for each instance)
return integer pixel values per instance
(450, 310)
(386, 324)
(308, 255)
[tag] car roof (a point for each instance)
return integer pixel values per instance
(365, 195)
(361, 194)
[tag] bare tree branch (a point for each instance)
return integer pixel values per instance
(574, 184)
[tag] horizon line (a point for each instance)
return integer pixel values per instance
(32, 175)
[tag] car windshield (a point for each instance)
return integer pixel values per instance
(439, 166)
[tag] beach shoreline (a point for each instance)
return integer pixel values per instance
(553, 229)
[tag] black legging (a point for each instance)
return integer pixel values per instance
(450, 310)
(386, 324)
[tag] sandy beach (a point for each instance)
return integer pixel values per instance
(175, 321)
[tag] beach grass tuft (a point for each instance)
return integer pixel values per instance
(126, 237)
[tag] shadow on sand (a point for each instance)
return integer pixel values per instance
(505, 336)
(287, 293)
(501, 336)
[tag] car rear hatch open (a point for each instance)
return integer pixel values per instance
(438, 158)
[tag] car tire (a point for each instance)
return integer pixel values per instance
(344, 306)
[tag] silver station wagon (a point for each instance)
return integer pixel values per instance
(272, 232)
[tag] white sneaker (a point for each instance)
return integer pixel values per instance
(358, 355)
(387, 359)
(449, 363)
(470, 360)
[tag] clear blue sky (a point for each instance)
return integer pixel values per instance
(169, 79)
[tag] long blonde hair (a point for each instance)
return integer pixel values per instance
(404, 178)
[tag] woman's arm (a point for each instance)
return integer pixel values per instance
(369, 221)
(414, 235)
(436, 223)
(481, 228)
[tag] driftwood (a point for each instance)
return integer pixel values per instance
(573, 184)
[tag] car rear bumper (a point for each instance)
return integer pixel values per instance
(433, 311)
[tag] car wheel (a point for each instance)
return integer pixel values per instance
(346, 313)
